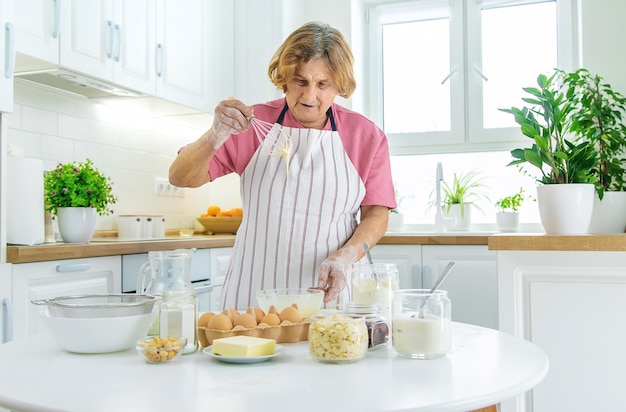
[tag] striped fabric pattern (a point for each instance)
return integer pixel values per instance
(292, 221)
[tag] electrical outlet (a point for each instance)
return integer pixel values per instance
(162, 187)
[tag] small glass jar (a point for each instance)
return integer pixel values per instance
(421, 323)
(337, 338)
(377, 326)
(374, 283)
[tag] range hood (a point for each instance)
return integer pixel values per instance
(76, 83)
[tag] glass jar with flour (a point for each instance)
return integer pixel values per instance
(374, 283)
(421, 323)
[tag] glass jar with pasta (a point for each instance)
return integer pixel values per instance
(337, 338)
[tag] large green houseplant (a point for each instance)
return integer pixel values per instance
(546, 120)
(566, 163)
(597, 117)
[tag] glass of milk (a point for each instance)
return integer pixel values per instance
(421, 337)
(374, 284)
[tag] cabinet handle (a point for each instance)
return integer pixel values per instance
(9, 58)
(7, 321)
(73, 267)
(109, 39)
(158, 59)
(118, 42)
(56, 19)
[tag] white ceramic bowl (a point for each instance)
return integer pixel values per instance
(98, 335)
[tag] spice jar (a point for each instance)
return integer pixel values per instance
(421, 323)
(377, 326)
(337, 338)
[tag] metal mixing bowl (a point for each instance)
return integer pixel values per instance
(98, 305)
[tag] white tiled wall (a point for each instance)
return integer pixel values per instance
(130, 140)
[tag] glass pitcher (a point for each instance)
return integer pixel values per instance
(168, 273)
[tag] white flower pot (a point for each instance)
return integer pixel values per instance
(507, 221)
(609, 214)
(457, 221)
(565, 209)
(396, 221)
(77, 224)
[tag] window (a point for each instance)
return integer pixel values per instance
(441, 69)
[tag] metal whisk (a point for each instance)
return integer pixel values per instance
(280, 143)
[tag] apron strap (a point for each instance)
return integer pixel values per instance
(329, 112)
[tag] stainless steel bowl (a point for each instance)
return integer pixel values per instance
(98, 305)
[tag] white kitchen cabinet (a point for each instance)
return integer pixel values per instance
(408, 259)
(260, 29)
(42, 280)
(7, 55)
(472, 283)
(6, 317)
(112, 40)
(194, 52)
(38, 28)
(571, 304)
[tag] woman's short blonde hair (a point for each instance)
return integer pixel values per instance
(315, 40)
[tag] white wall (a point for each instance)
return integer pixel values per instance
(123, 139)
(602, 40)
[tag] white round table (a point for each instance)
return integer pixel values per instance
(484, 367)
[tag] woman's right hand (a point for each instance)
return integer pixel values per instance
(231, 117)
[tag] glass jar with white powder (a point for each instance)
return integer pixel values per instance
(374, 284)
(421, 323)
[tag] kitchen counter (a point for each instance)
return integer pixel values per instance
(484, 367)
(543, 242)
(110, 246)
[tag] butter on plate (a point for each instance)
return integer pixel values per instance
(243, 346)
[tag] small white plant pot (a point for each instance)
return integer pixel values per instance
(396, 221)
(507, 221)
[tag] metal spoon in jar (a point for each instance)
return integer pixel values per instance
(369, 260)
(443, 275)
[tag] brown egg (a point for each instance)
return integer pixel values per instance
(290, 314)
(272, 309)
(220, 322)
(204, 319)
(271, 319)
(257, 312)
(231, 313)
(246, 320)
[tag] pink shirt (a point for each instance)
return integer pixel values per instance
(364, 142)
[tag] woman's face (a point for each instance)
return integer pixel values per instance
(310, 92)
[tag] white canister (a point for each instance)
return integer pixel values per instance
(158, 226)
(129, 226)
(146, 227)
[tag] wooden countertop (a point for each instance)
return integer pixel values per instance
(111, 246)
(543, 242)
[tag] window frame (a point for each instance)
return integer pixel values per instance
(467, 133)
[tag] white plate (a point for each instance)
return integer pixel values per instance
(247, 359)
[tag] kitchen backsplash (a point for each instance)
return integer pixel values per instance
(133, 140)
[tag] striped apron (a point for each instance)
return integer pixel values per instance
(292, 220)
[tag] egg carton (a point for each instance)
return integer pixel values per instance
(287, 333)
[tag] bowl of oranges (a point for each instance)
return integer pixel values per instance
(217, 220)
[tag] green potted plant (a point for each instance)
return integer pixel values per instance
(507, 215)
(464, 192)
(565, 166)
(597, 118)
(75, 192)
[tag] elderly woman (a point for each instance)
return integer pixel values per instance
(314, 189)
